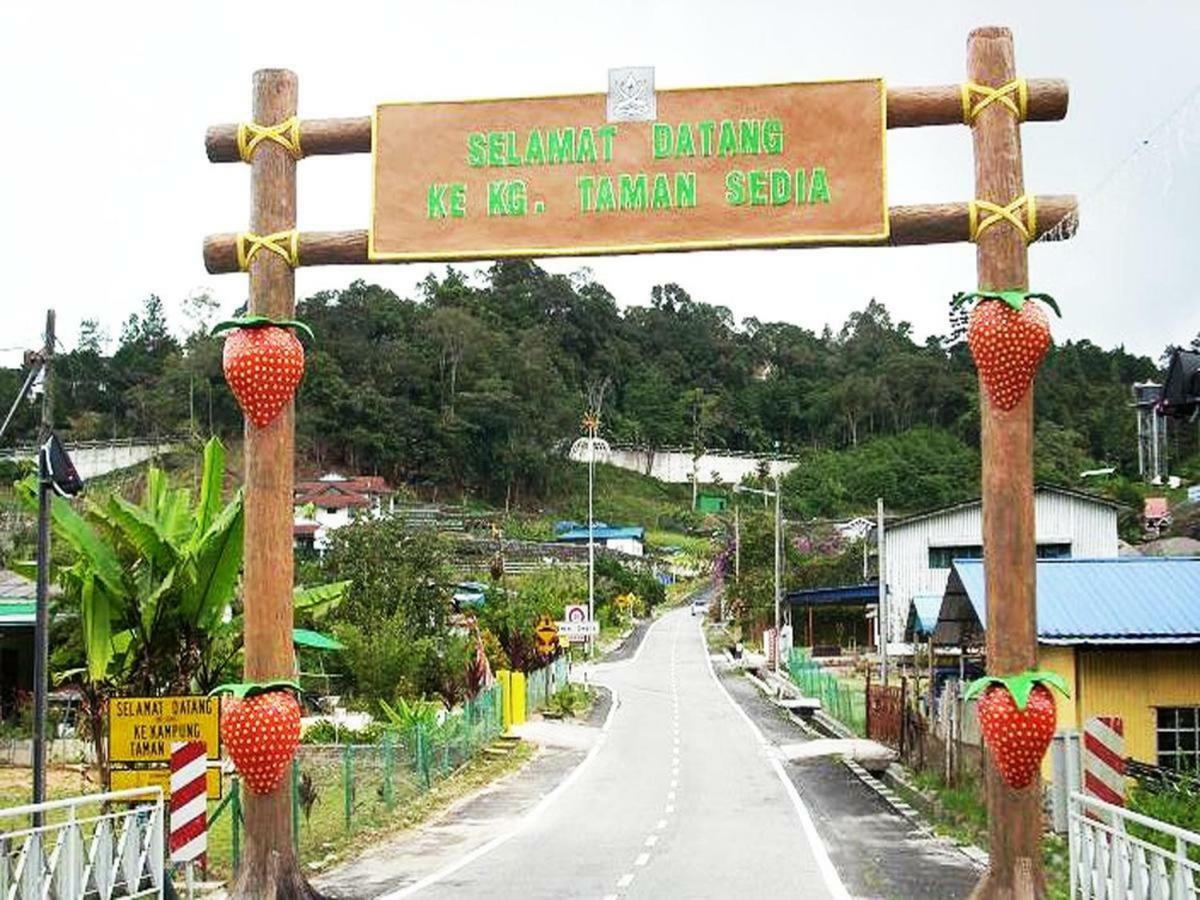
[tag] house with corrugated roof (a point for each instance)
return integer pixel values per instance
(1125, 635)
(332, 501)
(628, 539)
(919, 549)
(17, 611)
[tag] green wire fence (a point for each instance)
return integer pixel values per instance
(542, 684)
(843, 701)
(361, 785)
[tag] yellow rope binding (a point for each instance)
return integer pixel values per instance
(996, 213)
(1003, 95)
(286, 134)
(249, 243)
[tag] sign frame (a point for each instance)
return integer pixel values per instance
(666, 246)
(115, 749)
(160, 776)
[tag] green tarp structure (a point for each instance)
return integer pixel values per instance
(302, 637)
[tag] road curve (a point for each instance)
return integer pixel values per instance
(681, 797)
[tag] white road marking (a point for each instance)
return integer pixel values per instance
(642, 859)
(670, 809)
(832, 880)
(670, 795)
(625, 880)
(652, 840)
(661, 824)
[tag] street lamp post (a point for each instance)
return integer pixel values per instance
(591, 422)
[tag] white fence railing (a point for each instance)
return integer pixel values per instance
(1121, 855)
(102, 846)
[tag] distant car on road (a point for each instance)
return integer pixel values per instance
(700, 605)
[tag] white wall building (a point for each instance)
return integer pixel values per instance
(677, 466)
(918, 549)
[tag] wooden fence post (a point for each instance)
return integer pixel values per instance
(1014, 816)
(270, 868)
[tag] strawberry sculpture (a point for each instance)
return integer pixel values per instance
(261, 731)
(263, 364)
(1008, 336)
(1017, 719)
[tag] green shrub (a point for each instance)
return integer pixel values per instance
(570, 701)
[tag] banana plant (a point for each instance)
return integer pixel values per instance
(153, 582)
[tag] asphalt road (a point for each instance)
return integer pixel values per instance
(680, 797)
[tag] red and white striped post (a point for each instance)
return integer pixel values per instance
(1104, 759)
(189, 804)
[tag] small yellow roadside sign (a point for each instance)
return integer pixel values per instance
(142, 729)
(126, 779)
(546, 633)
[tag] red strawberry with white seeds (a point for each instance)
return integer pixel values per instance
(263, 362)
(1017, 719)
(261, 732)
(1008, 336)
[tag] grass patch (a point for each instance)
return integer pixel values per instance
(621, 497)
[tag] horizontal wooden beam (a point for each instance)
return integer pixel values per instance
(907, 108)
(935, 223)
(916, 106)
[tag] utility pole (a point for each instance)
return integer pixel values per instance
(737, 543)
(778, 570)
(881, 614)
(41, 650)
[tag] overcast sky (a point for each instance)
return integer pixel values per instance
(105, 192)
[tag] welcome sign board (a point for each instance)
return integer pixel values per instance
(760, 166)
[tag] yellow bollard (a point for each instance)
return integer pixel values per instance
(504, 677)
(518, 698)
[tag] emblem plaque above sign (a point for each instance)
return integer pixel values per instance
(712, 168)
(631, 94)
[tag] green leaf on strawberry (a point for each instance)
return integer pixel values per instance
(1015, 299)
(1020, 685)
(262, 322)
(242, 690)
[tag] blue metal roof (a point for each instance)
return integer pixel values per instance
(603, 532)
(1126, 599)
(923, 615)
(845, 595)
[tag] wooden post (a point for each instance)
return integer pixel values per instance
(1014, 816)
(270, 869)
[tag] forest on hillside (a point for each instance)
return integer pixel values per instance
(477, 385)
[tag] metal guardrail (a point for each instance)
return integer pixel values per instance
(85, 848)
(1116, 854)
(30, 450)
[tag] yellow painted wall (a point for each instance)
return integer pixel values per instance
(1062, 661)
(1130, 682)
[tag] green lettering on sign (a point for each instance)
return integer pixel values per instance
(632, 191)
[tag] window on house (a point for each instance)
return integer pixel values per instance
(1053, 551)
(1179, 738)
(332, 510)
(942, 557)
